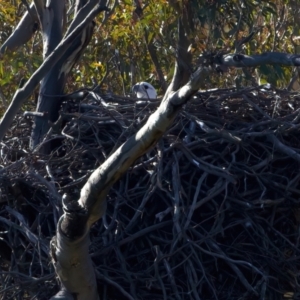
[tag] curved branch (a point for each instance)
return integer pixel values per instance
(272, 58)
(72, 236)
(23, 32)
(94, 192)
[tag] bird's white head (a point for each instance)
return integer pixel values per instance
(144, 90)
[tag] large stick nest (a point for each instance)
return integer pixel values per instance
(212, 212)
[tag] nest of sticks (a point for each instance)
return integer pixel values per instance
(211, 212)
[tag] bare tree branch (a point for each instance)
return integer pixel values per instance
(241, 60)
(70, 246)
(54, 81)
(23, 93)
(82, 9)
(183, 58)
(39, 6)
(23, 32)
(119, 162)
(154, 58)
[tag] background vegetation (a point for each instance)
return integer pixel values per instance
(118, 54)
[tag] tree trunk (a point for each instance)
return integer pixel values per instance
(62, 56)
(69, 246)
(52, 86)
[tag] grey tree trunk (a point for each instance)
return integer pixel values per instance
(53, 83)
(69, 247)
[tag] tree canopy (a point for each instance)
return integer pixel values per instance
(119, 55)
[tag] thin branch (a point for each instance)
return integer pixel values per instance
(283, 148)
(114, 284)
(39, 6)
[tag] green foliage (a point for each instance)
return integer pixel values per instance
(119, 45)
(24, 61)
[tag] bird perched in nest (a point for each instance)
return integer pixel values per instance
(144, 90)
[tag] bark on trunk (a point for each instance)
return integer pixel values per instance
(79, 216)
(52, 86)
(70, 245)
